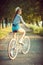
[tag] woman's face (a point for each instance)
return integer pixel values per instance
(20, 12)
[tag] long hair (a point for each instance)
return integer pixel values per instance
(16, 12)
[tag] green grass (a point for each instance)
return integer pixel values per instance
(36, 29)
(4, 32)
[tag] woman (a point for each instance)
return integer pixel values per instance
(15, 25)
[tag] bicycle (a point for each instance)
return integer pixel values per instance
(14, 46)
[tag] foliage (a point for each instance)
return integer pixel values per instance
(4, 32)
(36, 29)
(31, 8)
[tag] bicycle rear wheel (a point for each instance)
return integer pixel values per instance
(26, 45)
(12, 49)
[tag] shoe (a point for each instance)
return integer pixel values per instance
(21, 42)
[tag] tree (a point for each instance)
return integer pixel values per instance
(31, 8)
(41, 10)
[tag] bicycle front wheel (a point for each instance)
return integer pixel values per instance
(12, 49)
(26, 45)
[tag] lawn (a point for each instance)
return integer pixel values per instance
(4, 32)
(35, 30)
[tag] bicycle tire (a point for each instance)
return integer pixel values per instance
(26, 45)
(12, 50)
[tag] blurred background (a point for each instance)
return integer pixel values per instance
(32, 14)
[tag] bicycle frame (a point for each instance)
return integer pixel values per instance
(19, 47)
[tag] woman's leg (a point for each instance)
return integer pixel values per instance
(22, 31)
(14, 35)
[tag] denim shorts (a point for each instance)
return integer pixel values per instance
(15, 27)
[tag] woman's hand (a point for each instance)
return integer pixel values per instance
(27, 26)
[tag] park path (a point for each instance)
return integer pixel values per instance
(34, 57)
(9, 37)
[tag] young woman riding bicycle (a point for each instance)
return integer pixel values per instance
(16, 23)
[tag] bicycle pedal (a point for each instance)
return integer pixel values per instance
(21, 44)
